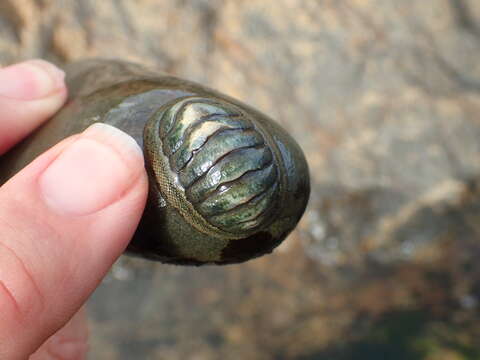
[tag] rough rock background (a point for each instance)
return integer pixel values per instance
(384, 97)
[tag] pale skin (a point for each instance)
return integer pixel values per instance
(64, 219)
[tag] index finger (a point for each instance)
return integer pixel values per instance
(30, 93)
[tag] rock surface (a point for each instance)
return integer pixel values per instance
(384, 97)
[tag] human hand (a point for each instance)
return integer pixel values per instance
(64, 219)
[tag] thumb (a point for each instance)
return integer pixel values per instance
(64, 220)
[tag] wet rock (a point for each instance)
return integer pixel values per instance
(384, 97)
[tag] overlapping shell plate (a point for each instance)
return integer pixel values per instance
(223, 163)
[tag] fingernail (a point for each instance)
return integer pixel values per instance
(30, 80)
(71, 342)
(92, 172)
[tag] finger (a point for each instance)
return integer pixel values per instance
(30, 93)
(69, 343)
(64, 220)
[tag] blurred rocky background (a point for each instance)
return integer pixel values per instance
(384, 97)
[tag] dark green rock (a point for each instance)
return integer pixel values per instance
(218, 169)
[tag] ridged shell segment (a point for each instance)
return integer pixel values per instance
(223, 163)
